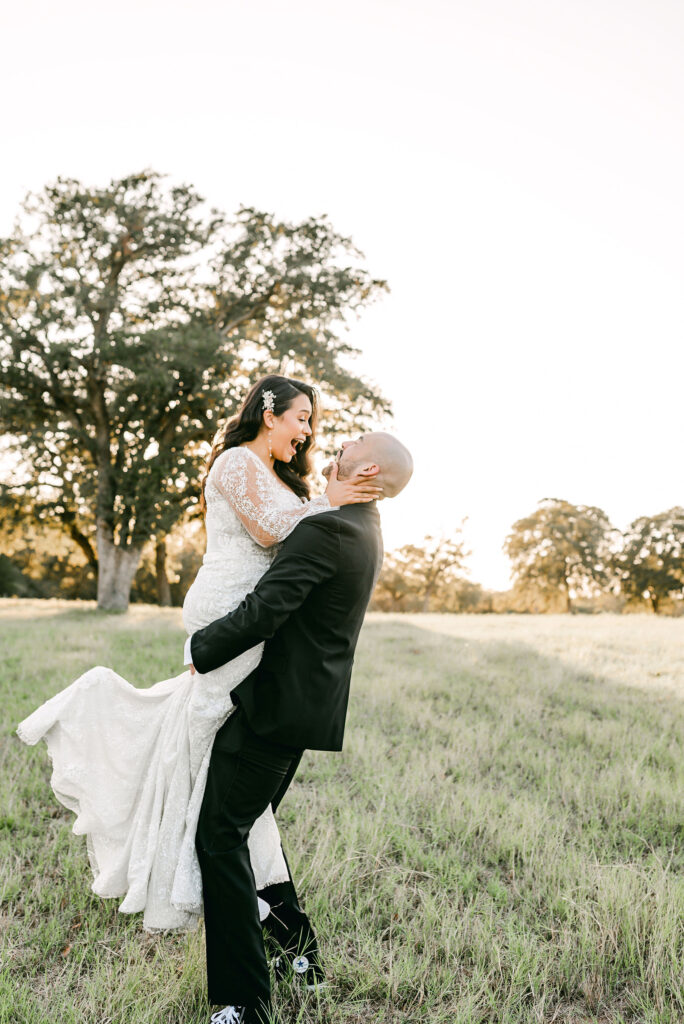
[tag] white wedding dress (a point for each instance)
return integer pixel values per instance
(132, 763)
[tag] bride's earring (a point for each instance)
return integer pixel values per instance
(270, 450)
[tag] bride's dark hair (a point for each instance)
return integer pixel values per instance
(246, 425)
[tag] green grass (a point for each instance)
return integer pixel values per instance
(500, 840)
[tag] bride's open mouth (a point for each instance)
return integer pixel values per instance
(295, 444)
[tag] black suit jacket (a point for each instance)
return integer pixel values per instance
(308, 607)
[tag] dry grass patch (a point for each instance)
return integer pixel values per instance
(500, 840)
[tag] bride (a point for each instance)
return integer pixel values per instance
(132, 763)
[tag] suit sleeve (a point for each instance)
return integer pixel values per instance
(307, 557)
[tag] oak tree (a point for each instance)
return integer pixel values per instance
(561, 548)
(650, 562)
(132, 320)
(415, 576)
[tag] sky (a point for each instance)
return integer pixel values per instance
(512, 168)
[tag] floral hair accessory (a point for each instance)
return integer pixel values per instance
(269, 401)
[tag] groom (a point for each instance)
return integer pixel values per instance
(309, 608)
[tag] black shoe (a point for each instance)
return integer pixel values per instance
(306, 969)
(291, 942)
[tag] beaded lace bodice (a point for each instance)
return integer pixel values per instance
(264, 506)
(249, 511)
(140, 822)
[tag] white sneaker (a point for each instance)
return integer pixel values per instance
(229, 1015)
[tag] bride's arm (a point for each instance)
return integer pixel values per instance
(245, 484)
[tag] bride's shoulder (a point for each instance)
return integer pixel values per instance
(237, 467)
(232, 457)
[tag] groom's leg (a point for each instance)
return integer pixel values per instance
(287, 926)
(285, 784)
(288, 930)
(245, 773)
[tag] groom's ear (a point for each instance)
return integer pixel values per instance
(372, 469)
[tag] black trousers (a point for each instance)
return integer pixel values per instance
(246, 774)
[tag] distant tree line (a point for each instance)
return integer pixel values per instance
(564, 557)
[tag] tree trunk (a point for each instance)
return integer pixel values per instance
(426, 598)
(163, 588)
(654, 601)
(116, 571)
(568, 602)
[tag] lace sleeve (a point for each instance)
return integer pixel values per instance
(245, 483)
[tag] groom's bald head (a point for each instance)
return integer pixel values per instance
(392, 459)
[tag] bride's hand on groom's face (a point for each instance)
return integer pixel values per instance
(354, 489)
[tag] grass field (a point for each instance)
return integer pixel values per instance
(500, 841)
